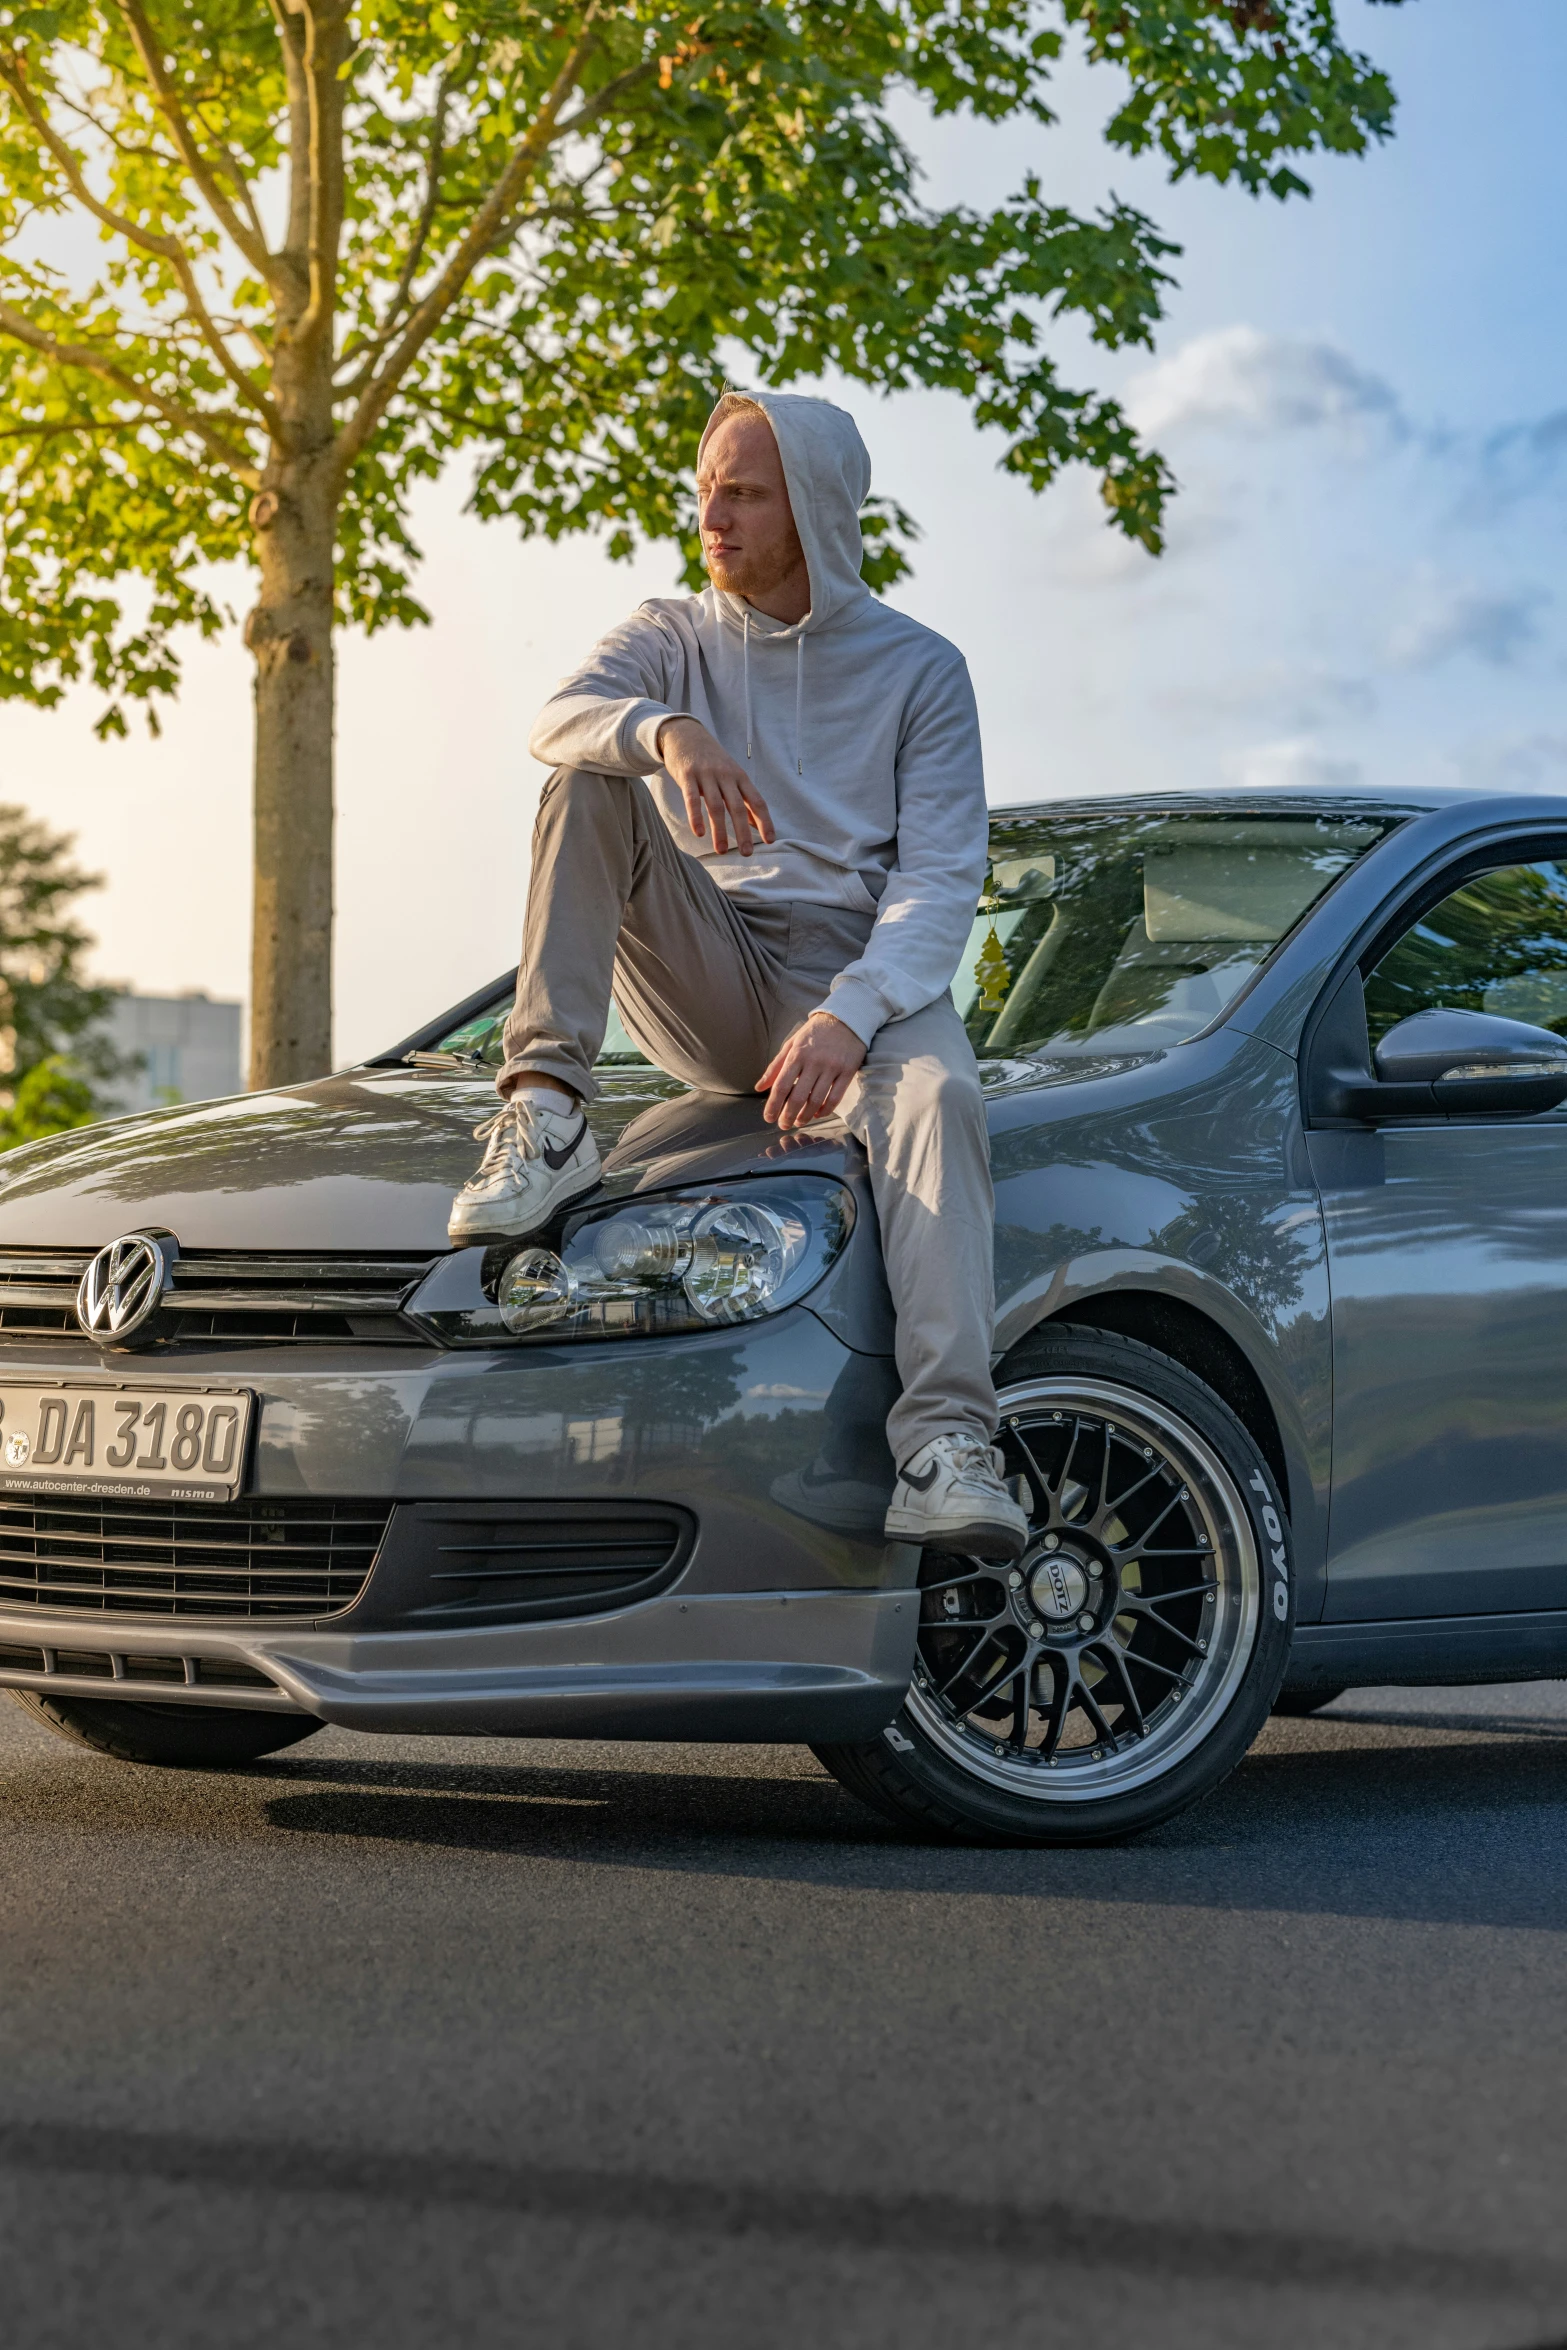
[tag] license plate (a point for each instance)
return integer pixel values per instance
(124, 1442)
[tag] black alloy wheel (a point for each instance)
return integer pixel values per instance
(1123, 1666)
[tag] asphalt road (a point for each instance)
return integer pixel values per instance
(466, 2043)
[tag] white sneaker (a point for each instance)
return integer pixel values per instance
(950, 1495)
(535, 1159)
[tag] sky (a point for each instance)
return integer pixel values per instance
(1362, 396)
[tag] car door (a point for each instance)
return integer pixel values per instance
(1447, 1254)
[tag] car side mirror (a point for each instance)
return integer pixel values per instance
(1462, 1064)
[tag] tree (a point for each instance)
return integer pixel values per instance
(346, 241)
(50, 1099)
(52, 1045)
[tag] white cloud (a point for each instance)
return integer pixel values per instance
(1296, 764)
(1082, 549)
(1261, 382)
(1447, 618)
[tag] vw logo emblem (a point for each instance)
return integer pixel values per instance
(122, 1288)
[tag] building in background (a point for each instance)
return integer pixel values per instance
(188, 1046)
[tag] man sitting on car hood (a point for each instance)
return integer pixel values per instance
(764, 836)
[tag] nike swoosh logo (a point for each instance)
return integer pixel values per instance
(923, 1483)
(556, 1159)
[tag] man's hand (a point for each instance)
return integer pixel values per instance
(717, 789)
(809, 1074)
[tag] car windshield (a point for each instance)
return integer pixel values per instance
(1108, 934)
(1128, 932)
(479, 1040)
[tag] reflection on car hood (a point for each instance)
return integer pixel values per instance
(369, 1159)
(1039, 1070)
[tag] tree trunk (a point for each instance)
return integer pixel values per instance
(290, 634)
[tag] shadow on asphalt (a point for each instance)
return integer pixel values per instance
(1374, 1829)
(990, 2231)
(1470, 1724)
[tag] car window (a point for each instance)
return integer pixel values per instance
(1133, 932)
(1498, 943)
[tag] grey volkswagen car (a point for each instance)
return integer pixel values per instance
(1275, 1087)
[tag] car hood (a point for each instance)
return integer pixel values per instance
(369, 1159)
(366, 1160)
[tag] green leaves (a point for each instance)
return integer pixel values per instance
(1229, 88)
(92, 499)
(51, 1099)
(726, 192)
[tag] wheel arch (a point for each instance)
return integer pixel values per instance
(1191, 1338)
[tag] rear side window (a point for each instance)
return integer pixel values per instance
(1498, 943)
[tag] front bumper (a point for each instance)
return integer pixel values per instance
(807, 1667)
(789, 1618)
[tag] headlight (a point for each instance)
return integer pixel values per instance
(694, 1260)
(534, 1289)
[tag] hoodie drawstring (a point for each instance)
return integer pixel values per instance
(799, 692)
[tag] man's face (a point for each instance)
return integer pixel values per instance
(749, 542)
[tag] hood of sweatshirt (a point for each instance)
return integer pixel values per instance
(828, 469)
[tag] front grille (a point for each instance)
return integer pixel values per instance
(251, 1558)
(38, 1292)
(275, 1297)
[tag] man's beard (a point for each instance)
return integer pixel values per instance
(752, 575)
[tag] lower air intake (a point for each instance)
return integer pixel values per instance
(507, 1562)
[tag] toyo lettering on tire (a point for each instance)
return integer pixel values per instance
(1124, 1665)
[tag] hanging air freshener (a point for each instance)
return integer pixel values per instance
(991, 968)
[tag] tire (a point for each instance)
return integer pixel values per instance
(1079, 1697)
(189, 1737)
(1297, 1702)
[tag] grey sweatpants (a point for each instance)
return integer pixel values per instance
(709, 988)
